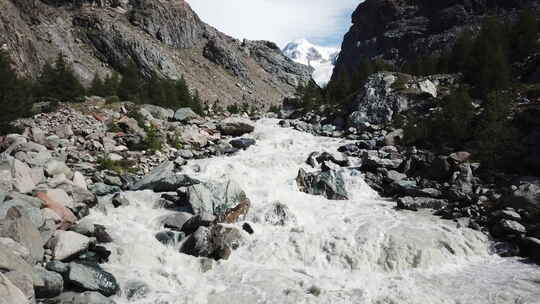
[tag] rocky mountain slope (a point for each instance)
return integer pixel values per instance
(397, 30)
(321, 59)
(165, 38)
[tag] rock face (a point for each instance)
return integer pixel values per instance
(395, 30)
(9, 293)
(161, 37)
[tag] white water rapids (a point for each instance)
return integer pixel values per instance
(355, 251)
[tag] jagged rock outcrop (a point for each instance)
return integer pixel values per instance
(161, 37)
(395, 30)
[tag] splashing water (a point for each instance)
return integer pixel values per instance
(355, 251)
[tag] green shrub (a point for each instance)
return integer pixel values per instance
(233, 108)
(121, 167)
(153, 141)
(112, 99)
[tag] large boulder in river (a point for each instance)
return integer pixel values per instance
(67, 245)
(164, 179)
(236, 126)
(226, 200)
(216, 242)
(330, 184)
(90, 277)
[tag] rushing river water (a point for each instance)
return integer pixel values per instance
(355, 251)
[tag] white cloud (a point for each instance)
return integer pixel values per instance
(281, 21)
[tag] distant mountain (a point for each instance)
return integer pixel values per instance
(321, 59)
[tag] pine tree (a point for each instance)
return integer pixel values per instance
(183, 94)
(495, 134)
(59, 81)
(196, 103)
(97, 87)
(130, 87)
(524, 36)
(15, 94)
(111, 84)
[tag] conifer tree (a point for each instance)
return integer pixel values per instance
(97, 87)
(59, 81)
(15, 94)
(130, 86)
(111, 84)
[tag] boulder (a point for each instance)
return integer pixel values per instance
(330, 184)
(185, 115)
(136, 289)
(67, 245)
(22, 177)
(242, 143)
(51, 283)
(19, 228)
(164, 179)
(194, 135)
(67, 218)
(79, 180)
(87, 297)
(25, 283)
(176, 220)
(204, 220)
(27, 205)
(60, 196)
(415, 203)
(236, 126)
(525, 196)
(531, 247)
(131, 126)
(9, 293)
(16, 248)
(55, 167)
(394, 138)
(225, 200)
(158, 112)
(216, 242)
(90, 277)
(101, 189)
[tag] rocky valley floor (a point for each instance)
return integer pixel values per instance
(227, 218)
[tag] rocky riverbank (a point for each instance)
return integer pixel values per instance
(452, 184)
(65, 162)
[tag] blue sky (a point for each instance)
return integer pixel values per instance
(320, 21)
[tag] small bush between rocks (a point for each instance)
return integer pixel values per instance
(121, 166)
(153, 141)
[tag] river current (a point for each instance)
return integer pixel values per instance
(355, 251)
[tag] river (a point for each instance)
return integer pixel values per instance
(355, 251)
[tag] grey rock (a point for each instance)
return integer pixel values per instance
(58, 267)
(22, 177)
(67, 245)
(168, 238)
(526, 196)
(176, 220)
(330, 184)
(52, 283)
(55, 167)
(512, 227)
(226, 200)
(19, 228)
(242, 143)
(91, 277)
(159, 112)
(216, 242)
(415, 203)
(531, 247)
(16, 248)
(163, 179)
(205, 220)
(185, 115)
(25, 283)
(9, 293)
(27, 205)
(101, 189)
(87, 297)
(236, 126)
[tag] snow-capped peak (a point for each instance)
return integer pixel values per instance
(321, 59)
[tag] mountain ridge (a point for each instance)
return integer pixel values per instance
(165, 38)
